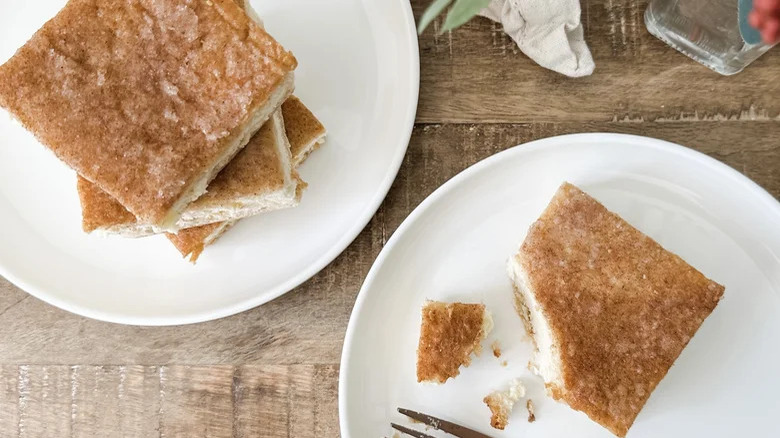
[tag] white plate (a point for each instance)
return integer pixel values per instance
(358, 71)
(454, 247)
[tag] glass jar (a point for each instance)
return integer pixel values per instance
(705, 30)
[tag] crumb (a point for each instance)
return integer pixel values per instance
(501, 403)
(503, 364)
(496, 348)
(530, 406)
(416, 421)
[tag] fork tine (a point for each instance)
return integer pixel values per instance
(411, 432)
(443, 425)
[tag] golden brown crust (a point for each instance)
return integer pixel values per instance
(255, 170)
(449, 334)
(501, 403)
(99, 208)
(304, 129)
(100, 211)
(103, 212)
(192, 241)
(143, 97)
(621, 307)
(498, 408)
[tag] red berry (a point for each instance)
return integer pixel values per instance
(755, 19)
(771, 30)
(767, 6)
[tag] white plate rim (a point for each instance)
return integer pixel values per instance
(324, 260)
(520, 149)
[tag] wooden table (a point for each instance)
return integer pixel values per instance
(273, 371)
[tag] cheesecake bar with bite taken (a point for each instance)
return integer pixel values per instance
(608, 308)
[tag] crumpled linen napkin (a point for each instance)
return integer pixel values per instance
(547, 31)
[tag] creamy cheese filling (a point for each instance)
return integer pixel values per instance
(546, 358)
(487, 324)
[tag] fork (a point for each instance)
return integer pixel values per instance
(436, 423)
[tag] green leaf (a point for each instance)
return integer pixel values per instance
(463, 11)
(433, 11)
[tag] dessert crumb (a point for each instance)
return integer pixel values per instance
(503, 364)
(501, 403)
(496, 348)
(530, 406)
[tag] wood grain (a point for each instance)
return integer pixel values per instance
(477, 74)
(9, 401)
(273, 371)
(167, 401)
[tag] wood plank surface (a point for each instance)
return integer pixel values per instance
(477, 74)
(167, 401)
(273, 371)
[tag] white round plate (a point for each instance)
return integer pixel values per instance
(454, 247)
(358, 72)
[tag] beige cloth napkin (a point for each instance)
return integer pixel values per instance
(547, 31)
